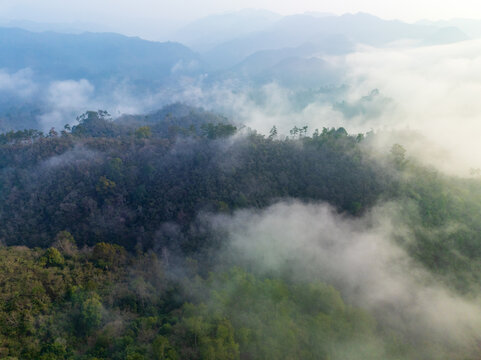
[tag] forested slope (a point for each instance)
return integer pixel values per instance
(110, 250)
(113, 183)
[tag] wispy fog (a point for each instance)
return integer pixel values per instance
(19, 83)
(435, 90)
(425, 98)
(361, 258)
(64, 99)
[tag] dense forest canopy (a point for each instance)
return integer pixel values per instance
(108, 181)
(181, 235)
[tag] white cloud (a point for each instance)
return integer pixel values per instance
(19, 83)
(66, 100)
(436, 92)
(361, 259)
(70, 94)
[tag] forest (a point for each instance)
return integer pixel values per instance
(124, 240)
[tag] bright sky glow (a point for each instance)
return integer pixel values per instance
(184, 10)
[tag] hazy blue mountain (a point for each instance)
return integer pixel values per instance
(18, 116)
(31, 61)
(94, 56)
(471, 27)
(291, 66)
(69, 28)
(295, 30)
(261, 60)
(212, 30)
(301, 72)
(288, 51)
(318, 13)
(446, 35)
(257, 63)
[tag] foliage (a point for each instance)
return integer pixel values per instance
(52, 257)
(118, 267)
(114, 187)
(83, 312)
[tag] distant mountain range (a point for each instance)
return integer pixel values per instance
(252, 47)
(207, 32)
(470, 27)
(94, 56)
(296, 30)
(66, 28)
(236, 41)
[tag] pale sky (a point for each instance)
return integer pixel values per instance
(118, 13)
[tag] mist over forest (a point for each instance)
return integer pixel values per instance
(260, 186)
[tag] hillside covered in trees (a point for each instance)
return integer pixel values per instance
(125, 240)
